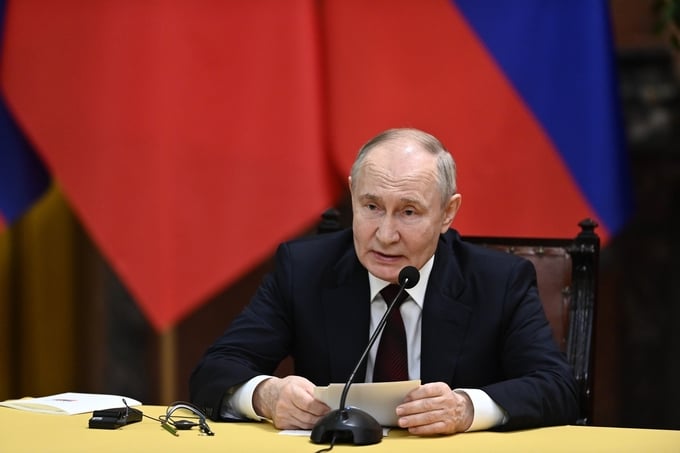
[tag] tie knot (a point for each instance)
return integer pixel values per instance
(390, 291)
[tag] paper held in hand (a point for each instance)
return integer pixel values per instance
(70, 403)
(379, 399)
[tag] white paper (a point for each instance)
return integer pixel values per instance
(379, 399)
(70, 403)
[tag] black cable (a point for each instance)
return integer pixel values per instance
(184, 423)
(330, 447)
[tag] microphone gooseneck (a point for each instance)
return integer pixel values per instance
(408, 278)
(350, 424)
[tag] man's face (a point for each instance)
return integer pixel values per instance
(397, 209)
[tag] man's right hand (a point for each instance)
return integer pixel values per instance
(288, 402)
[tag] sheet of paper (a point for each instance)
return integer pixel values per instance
(379, 399)
(70, 403)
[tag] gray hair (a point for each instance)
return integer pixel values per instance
(446, 166)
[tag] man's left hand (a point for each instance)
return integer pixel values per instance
(435, 409)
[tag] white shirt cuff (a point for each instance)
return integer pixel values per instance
(487, 413)
(241, 400)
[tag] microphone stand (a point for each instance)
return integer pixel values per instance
(351, 424)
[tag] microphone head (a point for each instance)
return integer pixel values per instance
(408, 277)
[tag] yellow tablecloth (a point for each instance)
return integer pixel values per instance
(22, 431)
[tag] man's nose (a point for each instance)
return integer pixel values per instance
(387, 230)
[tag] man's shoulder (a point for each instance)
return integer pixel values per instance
(484, 265)
(322, 258)
(331, 245)
(475, 254)
(340, 237)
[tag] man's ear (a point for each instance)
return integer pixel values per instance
(450, 211)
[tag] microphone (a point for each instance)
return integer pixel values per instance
(351, 424)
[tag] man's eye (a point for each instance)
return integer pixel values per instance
(371, 207)
(409, 212)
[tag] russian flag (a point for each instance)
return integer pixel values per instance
(523, 93)
(23, 178)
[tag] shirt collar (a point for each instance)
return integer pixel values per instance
(417, 293)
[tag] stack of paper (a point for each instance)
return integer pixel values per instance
(70, 403)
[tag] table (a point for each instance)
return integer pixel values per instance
(22, 431)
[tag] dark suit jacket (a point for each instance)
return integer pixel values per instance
(483, 327)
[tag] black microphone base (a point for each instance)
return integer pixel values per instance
(349, 425)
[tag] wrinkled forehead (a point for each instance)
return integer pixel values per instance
(404, 174)
(399, 159)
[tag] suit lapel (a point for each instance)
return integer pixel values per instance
(445, 316)
(347, 314)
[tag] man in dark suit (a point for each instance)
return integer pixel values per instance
(476, 332)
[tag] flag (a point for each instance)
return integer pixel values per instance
(192, 137)
(522, 93)
(23, 178)
(187, 136)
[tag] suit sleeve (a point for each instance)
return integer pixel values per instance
(254, 344)
(539, 389)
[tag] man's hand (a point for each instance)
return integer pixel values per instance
(435, 409)
(289, 402)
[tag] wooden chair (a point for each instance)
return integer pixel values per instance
(567, 283)
(566, 269)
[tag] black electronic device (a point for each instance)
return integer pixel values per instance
(351, 424)
(114, 418)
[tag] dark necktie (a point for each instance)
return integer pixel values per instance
(391, 360)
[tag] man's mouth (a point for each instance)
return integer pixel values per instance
(385, 256)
